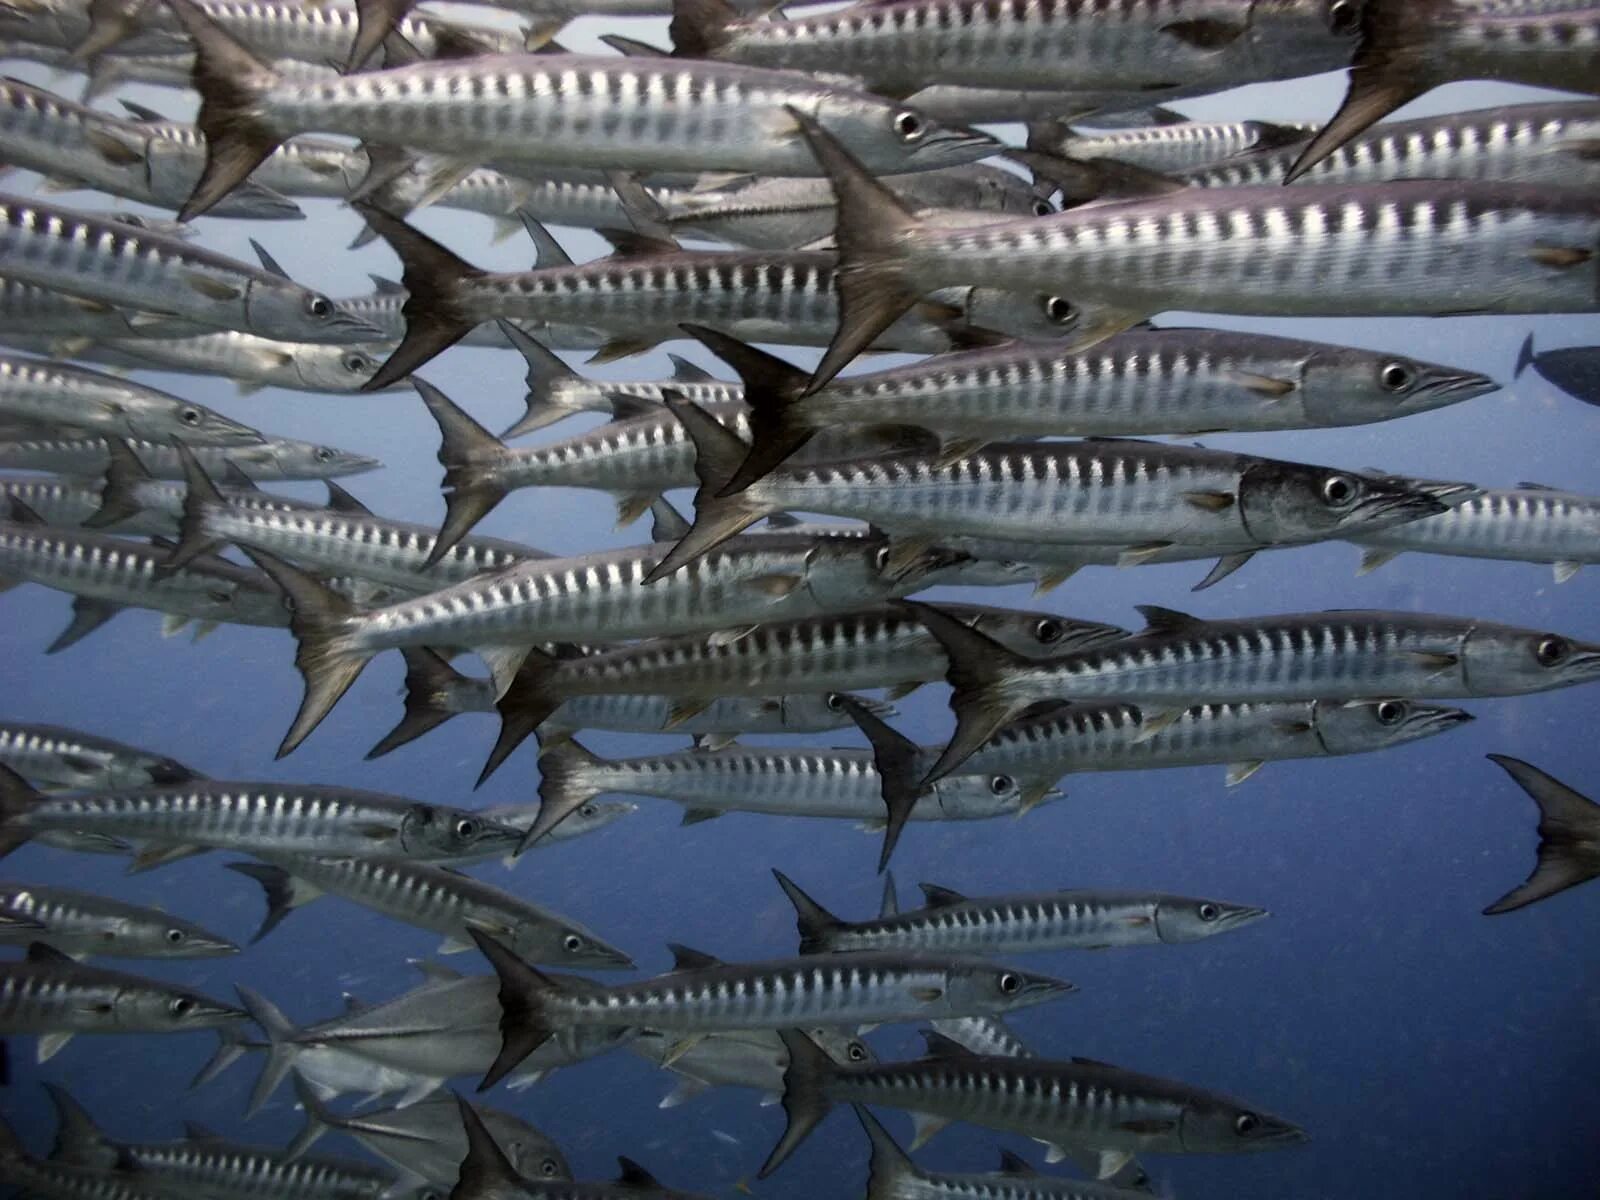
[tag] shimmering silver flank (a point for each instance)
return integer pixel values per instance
(274, 459)
(68, 758)
(1168, 147)
(82, 925)
(747, 1058)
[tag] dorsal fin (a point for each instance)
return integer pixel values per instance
(21, 514)
(939, 1046)
(43, 952)
(684, 371)
(941, 897)
(632, 1175)
(268, 263)
(1167, 620)
(547, 252)
(685, 958)
(1080, 1061)
(1015, 1164)
(342, 501)
(385, 286)
(630, 243)
(197, 1132)
(234, 476)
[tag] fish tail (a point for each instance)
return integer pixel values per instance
(429, 680)
(524, 706)
(564, 787)
(284, 893)
(718, 452)
(78, 1139)
(119, 498)
(813, 921)
(546, 374)
(17, 799)
(375, 20)
(978, 666)
(890, 1168)
(897, 759)
(109, 25)
(1525, 356)
(320, 620)
(468, 452)
(231, 1045)
(281, 1048)
(772, 391)
(485, 1171)
(199, 497)
(432, 274)
(699, 28)
(523, 1028)
(804, 1101)
(1566, 821)
(871, 277)
(319, 1117)
(231, 82)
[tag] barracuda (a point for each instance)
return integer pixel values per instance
(1179, 659)
(905, 45)
(52, 755)
(989, 105)
(52, 394)
(1171, 147)
(656, 114)
(1525, 524)
(68, 142)
(704, 995)
(1128, 493)
(272, 817)
(1141, 382)
(1545, 144)
(1079, 1104)
(1245, 737)
(66, 323)
(750, 1058)
(275, 459)
(111, 263)
(81, 925)
(44, 1177)
(600, 596)
(1015, 924)
(1409, 48)
(1417, 248)
(428, 897)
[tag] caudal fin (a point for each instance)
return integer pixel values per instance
(890, 1167)
(284, 893)
(429, 682)
(200, 497)
(376, 20)
(1569, 829)
(772, 391)
(318, 617)
(897, 759)
(231, 82)
(804, 1100)
(485, 1171)
(813, 921)
(545, 378)
(435, 320)
(281, 1049)
(79, 1140)
(119, 496)
(523, 1028)
(524, 706)
(468, 453)
(319, 1117)
(564, 788)
(17, 799)
(699, 28)
(718, 453)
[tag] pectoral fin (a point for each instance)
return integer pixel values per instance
(1240, 771)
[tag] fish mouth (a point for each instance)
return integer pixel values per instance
(1437, 720)
(205, 946)
(1278, 1133)
(1240, 915)
(343, 323)
(214, 1012)
(1449, 387)
(225, 432)
(1397, 509)
(358, 464)
(950, 140)
(1086, 639)
(1039, 988)
(878, 708)
(1584, 665)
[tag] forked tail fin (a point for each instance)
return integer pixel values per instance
(564, 788)
(890, 1167)
(523, 1028)
(1569, 831)
(897, 759)
(546, 373)
(804, 1100)
(813, 921)
(468, 453)
(281, 1048)
(429, 682)
(773, 391)
(524, 706)
(17, 799)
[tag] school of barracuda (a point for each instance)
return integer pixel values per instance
(826, 167)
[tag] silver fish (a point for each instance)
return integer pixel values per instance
(81, 925)
(46, 1177)
(1079, 1104)
(1180, 659)
(1169, 148)
(428, 897)
(53, 755)
(1013, 924)
(704, 995)
(274, 459)
(1575, 369)
(1569, 837)
(116, 264)
(749, 1058)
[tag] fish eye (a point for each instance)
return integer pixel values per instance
(909, 125)
(1552, 651)
(835, 702)
(466, 828)
(1391, 712)
(218, 596)
(880, 560)
(182, 1006)
(1344, 16)
(1208, 911)
(856, 1052)
(1397, 377)
(320, 307)
(1060, 311)
(189, 416)
(1338, 490)
(356, 364)
(1042, 208)
(1246, 1123)
(572, 943)
(175, 937)
(1048, 630)
(1010, 983)
(588, 810)
(548, 1168)
(1002, 785)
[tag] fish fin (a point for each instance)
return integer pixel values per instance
(926, 1126)
(680, 1046)
(230, 1048)
(485, 1171)
(1222, 568)
(319, 1117)
(547, 252)
(712, 742)
(699, 28)
(1269, 386)
(546, 374)
(1562, 257)
(1206, 33)
(1054, 577)
(564, 787)
(890, 904)
(79, 1140)
(284, 893)
(1565, 570)
(872, 222)
(119, 494)
(429, 679)
(774, 586)
(432, 277)
(684, 371)
(805, 1102)
(88, 614)
(453, 945)
(317, 615)
(628, 245)
(341, 501)
(667, 523)
(686, 958)
(683, 1091)
(526, 704)
(1437, 661)
(941, 897)
(901, 690)
(813, 921)
(1566, 821)
(772, 391)
(200, 496)
(1147, 1125)
(1015, 1164)
(17, 799)
(51, 1044)
(522, 988)
(718, 453)
(1209, 501)
(927, 995)
(281, 1048)
(1525, 357)
(230, 81)
(698, 816)
(110, 146)
(1138, 556)
(1154, 722)
(897, 759)
(632, 47)
(211, 289)
(977, 668)
(435, 972)
(1240, 771)
(890, 1168)
(684, 708)
(1158, 620)
(614, 349)
(470, 455)
(194, 1131)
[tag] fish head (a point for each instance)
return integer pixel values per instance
(992, 794)
(533, 1154)
(897, 138)
(975, 986)
(1341, 386)
(588, 817)
(316, 368)
(1503, 660)
(819, 712)
(434, 832)
(169, 938)
(1356, 726)
(1030, 316)
(983, 188)
(303, 460)
(284, 311)
(845, 1049)
(1184, 919)
(173, 1010)
(1040, 633)
(1210, 1123)
(1322, 34)
(166, 771)
(568, 946)
(1285, 503)
(194, 423)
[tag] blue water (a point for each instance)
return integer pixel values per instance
(1429, 1051)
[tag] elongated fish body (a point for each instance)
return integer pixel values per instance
(1522, 525)
(112, 263)
(51, 754)
(61, 1181)
(272, 817)
(909, 44)
(47, 993)
(430, 897)
(275, 459)
(1545, 144)
(82, 925)
(750, 1058)
(62, 320)
(1113, 737)
(67, 141)
(303, 166)
(1168, 149)
(987, 105)
(54, 394)
(984, 1035)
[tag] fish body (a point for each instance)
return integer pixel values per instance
(60, 757)
(82, 925)
(61, 1181)
(274, 459)
(1176, 148)
(117, 264)
(749, 1058)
